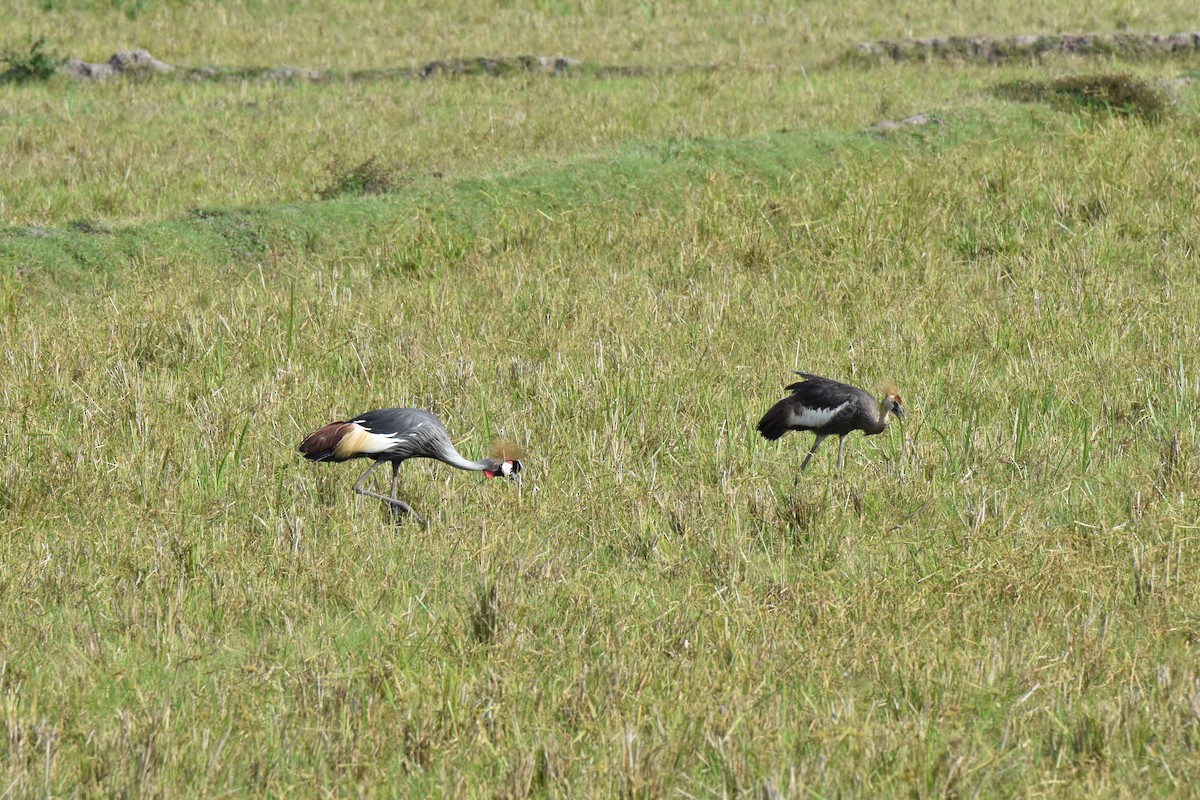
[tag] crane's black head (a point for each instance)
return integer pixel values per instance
(891, 404)
(510, 469)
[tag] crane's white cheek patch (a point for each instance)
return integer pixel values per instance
(506, 469)
(813, 417)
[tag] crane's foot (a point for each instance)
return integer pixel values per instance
(401, 510)
(397, 507)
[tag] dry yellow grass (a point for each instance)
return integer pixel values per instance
(994, 599)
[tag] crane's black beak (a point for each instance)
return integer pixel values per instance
(899, 412)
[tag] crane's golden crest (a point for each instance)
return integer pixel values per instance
(504, 450)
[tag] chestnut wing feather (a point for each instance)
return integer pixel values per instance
(320, 444)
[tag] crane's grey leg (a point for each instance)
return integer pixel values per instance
(358, 486)
(804, 463)
(398, 505)
(841, 444)
(817, 441)
(395, 472)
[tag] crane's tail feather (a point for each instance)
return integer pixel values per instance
(776, 422)
(322, 444)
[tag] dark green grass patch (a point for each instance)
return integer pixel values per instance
(372, 176)
(1119, 94)
(36, 62)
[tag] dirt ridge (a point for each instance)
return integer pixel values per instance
(986, 49)
(993, 49)
(140, 63)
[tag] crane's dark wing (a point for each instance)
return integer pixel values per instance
(388, 421)
(414, 433)
(793, 414)
(388, 432)
(816, 404)
(817, 392)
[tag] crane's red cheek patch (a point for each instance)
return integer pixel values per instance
(489, 473)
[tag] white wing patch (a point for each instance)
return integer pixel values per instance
(378, 442)
(361, 440)
(814, 417)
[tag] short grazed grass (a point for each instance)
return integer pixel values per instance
(997, 598)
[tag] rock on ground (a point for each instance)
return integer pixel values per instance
(126, 61)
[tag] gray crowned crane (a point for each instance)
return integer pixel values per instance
(829, 408)
(394, 435)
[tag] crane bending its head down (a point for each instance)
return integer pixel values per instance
(827, 407)
(395, 435)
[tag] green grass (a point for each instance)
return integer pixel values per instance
(31, 63)
(996, 598)
(353, 34)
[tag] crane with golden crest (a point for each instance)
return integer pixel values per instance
(829, 408)
(394, 435)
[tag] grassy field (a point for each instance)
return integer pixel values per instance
(617, 273)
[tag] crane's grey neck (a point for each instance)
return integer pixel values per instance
(455, 459)
(881, 418)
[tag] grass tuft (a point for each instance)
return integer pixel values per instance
(36, 62)
(372, 176)
(1119, 94)
(485, 619)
